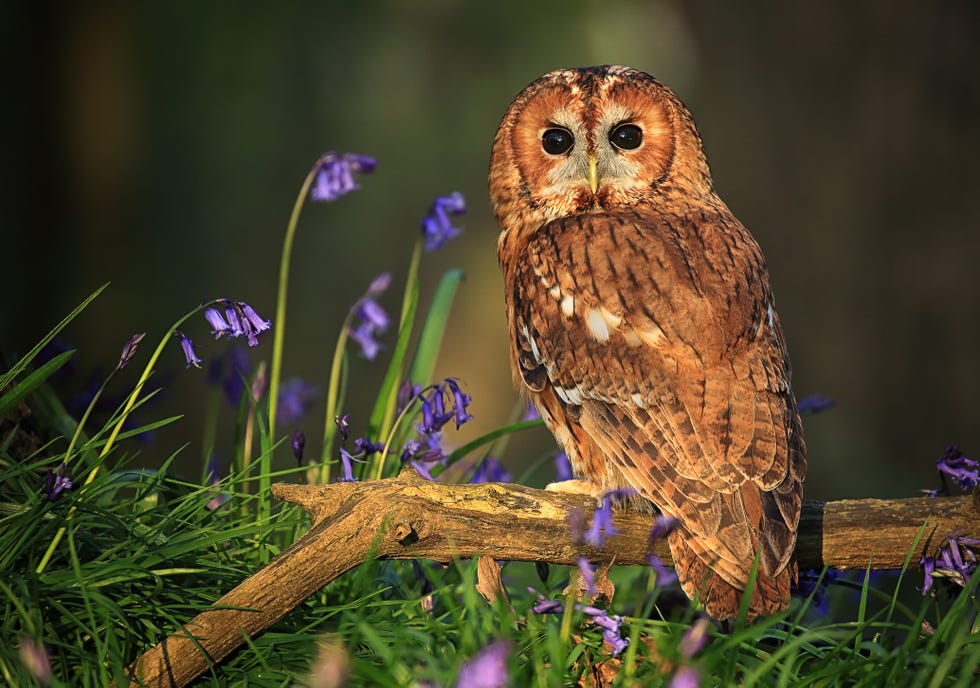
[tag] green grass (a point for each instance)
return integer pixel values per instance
(128, 555)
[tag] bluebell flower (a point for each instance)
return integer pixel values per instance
(665, 574)
(563, 467)
(347, 462)
(811, 583)
(407, 393)
(588, 574)
(602, 526)
(610, 625)
(129, 350)
(335, 174)
(437, 226)
(366, 447)
(219, 326)
(435, 413)
(343, 426)
(296, 396)
(369, 319)
(694, 638)
(956, 563)
(963, 470)
(461, 402)
(188, 348)
(531, 412)
(55, 483)
(488, 669)
(490, 471)
(36, 658)
(299, 443)
(815, 403)
(685, 677)
(239, 320)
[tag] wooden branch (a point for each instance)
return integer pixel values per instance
(411, 518)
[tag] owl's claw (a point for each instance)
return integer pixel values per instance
(583, 487)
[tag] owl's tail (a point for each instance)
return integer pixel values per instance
(720, 598)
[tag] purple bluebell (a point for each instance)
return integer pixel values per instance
(956, 563)
(129, 350)
(531, 412)
(488, 669)
(239, 367)
(588, 575)
(546, 606)
(366, 447)
(407, 393)
(36, 658)
(56, 483)
(963, 470)
(296, 396)
(219, 326)
(563, 467)
(490, 471)
(610, 625)
(685, 677)
(347, 461)
(343, 426)
(815, 403)
(299, 443)
(369, 319)
(811, 583)
(694, 638)
(188, 348)
(437, 227)
(461, 402)
(665, 574)
(335, 174)
(602, 526)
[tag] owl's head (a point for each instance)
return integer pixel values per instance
(579, 140)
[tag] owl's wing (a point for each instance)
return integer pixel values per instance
(656, 336)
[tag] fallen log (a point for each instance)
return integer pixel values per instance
(411, 518)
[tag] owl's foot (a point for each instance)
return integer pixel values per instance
(583, 487)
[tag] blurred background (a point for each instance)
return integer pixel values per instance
(160, 146)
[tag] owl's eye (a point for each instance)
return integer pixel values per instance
(557, 141)
(626, 137)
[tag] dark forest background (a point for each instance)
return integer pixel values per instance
(160, 146)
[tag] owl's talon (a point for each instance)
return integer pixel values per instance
(583, 487)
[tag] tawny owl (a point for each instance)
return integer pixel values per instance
(643, 328)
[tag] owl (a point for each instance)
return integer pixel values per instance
(642, 326)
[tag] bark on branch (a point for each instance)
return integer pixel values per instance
(411, 518)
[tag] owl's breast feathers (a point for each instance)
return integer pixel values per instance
(650, 343)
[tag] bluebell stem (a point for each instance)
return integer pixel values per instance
(815, 403)
(129, 350)
(299, 443)
(488, 669)
(55, 483)
(295, 398)
(437, 226)
(335, 174)
(369, 319)
(188, 348)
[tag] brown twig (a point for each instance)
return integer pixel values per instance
(408, 517)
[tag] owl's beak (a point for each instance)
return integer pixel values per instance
(593, 174)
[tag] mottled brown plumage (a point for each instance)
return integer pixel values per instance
(642, 325)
